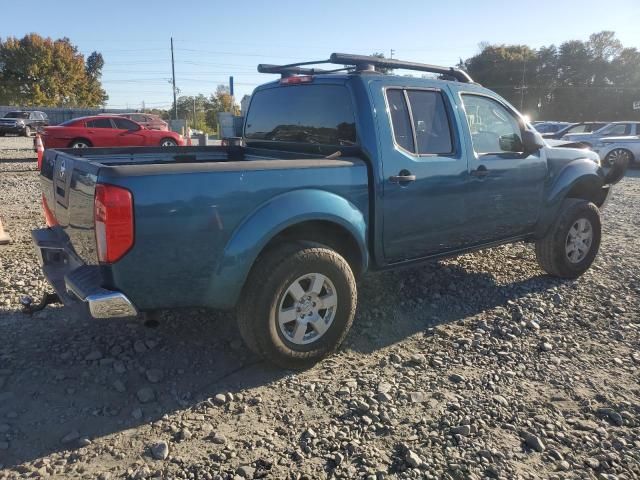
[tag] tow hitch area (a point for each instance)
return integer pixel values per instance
(27, 302)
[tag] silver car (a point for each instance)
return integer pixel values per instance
(614, 129)
(616, 149)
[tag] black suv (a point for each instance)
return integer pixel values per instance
(22, 123)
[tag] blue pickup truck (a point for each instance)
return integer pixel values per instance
(339, 171)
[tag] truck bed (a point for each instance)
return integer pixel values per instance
(189, 202)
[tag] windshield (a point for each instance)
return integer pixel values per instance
(68, 122)
(17, 115)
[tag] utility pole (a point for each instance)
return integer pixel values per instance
(522, 87)
(194, 111)
(173, 75)
(392, 52)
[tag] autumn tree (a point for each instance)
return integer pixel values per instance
(37, 71)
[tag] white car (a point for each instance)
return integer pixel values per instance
(613, 129)
(617, 149)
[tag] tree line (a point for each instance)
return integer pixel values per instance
(201, 111)
(597, 79)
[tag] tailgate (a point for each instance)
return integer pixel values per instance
(68, 186)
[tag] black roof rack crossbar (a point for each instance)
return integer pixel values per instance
(363, 63)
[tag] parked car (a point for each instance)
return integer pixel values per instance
(550, 127)
(147, 120)
(579, 127)
(613, 150)
(613, 129)
(22, 123)
(336, 174)
(106, 131)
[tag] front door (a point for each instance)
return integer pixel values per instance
(425, 173)
(128, 133)
(506, 184)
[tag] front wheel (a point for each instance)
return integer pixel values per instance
(298, 304)
(27, 131)
(618, 156)
(571, 245)
(80, 144)
(168, 142)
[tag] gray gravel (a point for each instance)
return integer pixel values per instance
(474, 367)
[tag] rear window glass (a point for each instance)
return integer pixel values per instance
(313, 114)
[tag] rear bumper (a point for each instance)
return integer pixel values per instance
(76, 282)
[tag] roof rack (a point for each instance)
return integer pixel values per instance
(363, 64)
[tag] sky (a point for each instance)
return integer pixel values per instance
(213, 39)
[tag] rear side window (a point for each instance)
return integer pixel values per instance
(311, 114)
(99, 123)
(424, 127)
(430, 122)
(400, 119)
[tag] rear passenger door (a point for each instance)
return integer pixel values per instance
(425, 173)
(506, 184)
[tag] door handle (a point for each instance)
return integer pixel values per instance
(404, 178)
(480, 172)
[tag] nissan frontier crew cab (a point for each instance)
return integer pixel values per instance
(339, 171)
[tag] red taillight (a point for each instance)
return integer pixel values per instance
(113, 217)
(49, 217)
(295, 80)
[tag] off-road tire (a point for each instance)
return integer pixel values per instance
(551, 249)
(267, 283)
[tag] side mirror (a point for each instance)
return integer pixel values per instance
(510, 143)
(531, 141)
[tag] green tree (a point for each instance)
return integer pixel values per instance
(37, 71)
(597, 79)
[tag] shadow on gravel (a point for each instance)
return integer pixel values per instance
(65, 378)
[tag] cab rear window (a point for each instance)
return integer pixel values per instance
(307, 114)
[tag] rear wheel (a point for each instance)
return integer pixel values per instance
(298, 304)
(27, 131)
(80, 144)
(569, 248)
(168, 142)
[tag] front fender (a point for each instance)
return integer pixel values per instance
(267, 221)
(581, 175)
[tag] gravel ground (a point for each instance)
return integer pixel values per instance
(475, 367)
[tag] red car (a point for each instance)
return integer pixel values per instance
(106, 131)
